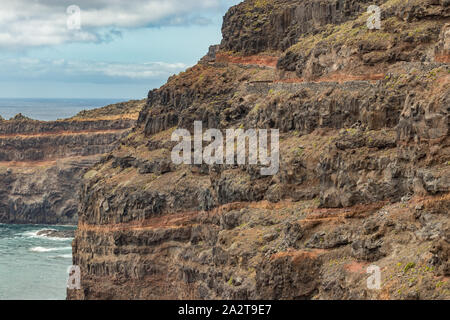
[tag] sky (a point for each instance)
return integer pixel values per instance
(117, 49)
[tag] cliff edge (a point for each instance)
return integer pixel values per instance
(42, 162)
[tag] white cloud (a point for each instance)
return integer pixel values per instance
(31, 23)
(86, 71)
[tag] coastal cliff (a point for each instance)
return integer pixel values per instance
(42, 163)
(364, 173)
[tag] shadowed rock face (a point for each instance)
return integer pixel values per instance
(57, 146)
(256, 26)
(14, 127)
(364, 165)
(42, 194)
(42, 163)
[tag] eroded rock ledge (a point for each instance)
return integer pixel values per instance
(42, 163)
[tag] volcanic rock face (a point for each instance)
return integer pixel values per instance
(364, 165)
(42, 163)
(247, 26)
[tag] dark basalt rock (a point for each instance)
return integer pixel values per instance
(57, 233)
(251, 28)
(367, 249)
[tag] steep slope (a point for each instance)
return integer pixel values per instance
(41, 163)
(364, 165)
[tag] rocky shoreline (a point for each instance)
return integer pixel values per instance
(51, 233)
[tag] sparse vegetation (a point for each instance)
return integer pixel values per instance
(409, 266)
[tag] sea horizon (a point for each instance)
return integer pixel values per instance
(51, 109)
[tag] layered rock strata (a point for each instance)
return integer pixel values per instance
(42, 163)
(364, 165)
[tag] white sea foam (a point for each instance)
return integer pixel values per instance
(41, 249)
(29, 234)
(34, 234)
(64, 256)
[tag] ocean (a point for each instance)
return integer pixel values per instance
(32, 266)
(50, 109)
